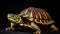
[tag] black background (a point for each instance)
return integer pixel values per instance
(9, 6)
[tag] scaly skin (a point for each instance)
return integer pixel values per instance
(15, 19)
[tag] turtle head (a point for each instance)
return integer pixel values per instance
(12, 18)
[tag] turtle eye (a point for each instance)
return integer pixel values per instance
(13, 16)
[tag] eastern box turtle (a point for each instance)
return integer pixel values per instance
(32, 16)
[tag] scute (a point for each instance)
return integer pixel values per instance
(37, 15)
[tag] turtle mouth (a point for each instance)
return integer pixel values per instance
(10, 19)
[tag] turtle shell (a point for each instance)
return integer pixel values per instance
(37, 15)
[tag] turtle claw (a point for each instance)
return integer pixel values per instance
(9, 28)
(37, 32)
(55, 30)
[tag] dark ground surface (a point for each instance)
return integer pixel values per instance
(14, 32)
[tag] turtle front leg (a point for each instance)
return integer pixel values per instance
(33, 26)
(53, 28)
(11, 27)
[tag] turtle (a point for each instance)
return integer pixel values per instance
(32, 18)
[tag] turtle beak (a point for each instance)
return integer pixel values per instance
(8, 15)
